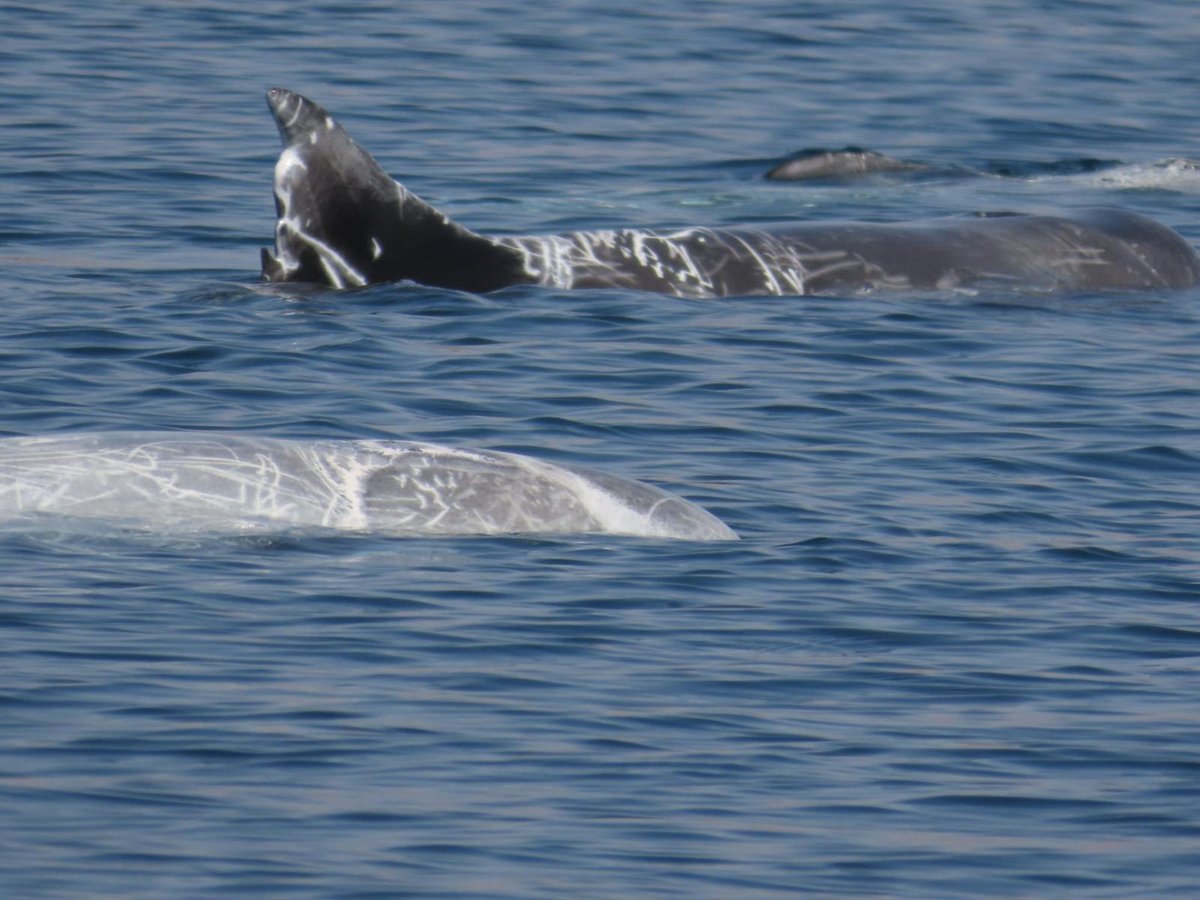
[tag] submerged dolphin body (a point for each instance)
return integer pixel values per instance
(344, 222)
(850, 163)
(235, 482)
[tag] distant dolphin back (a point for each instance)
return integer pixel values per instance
(345, 223)
(220, 482)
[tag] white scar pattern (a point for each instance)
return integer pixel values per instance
(344, 222)
(234, 482)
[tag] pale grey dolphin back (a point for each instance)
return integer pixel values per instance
(239, 483)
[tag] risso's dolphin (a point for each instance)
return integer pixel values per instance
(343, 222)
(850, 163)
(234, 482)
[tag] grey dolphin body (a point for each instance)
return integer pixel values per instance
(815, 163)
(851, 163)
(344, 222)
(238, 482)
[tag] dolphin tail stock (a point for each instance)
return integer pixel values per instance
(344, 222)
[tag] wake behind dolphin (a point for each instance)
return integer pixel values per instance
(343, 222)
(227, 482)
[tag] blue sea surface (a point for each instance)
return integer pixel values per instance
(956, 651)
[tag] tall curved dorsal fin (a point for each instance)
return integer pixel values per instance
(343, 221)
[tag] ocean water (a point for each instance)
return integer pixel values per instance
(957, 648)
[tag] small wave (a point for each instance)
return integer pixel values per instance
(1175, 174)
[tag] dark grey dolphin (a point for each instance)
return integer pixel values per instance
(342, 221)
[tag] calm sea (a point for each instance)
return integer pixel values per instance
(957, 650)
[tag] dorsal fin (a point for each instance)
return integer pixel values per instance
(343, 221)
